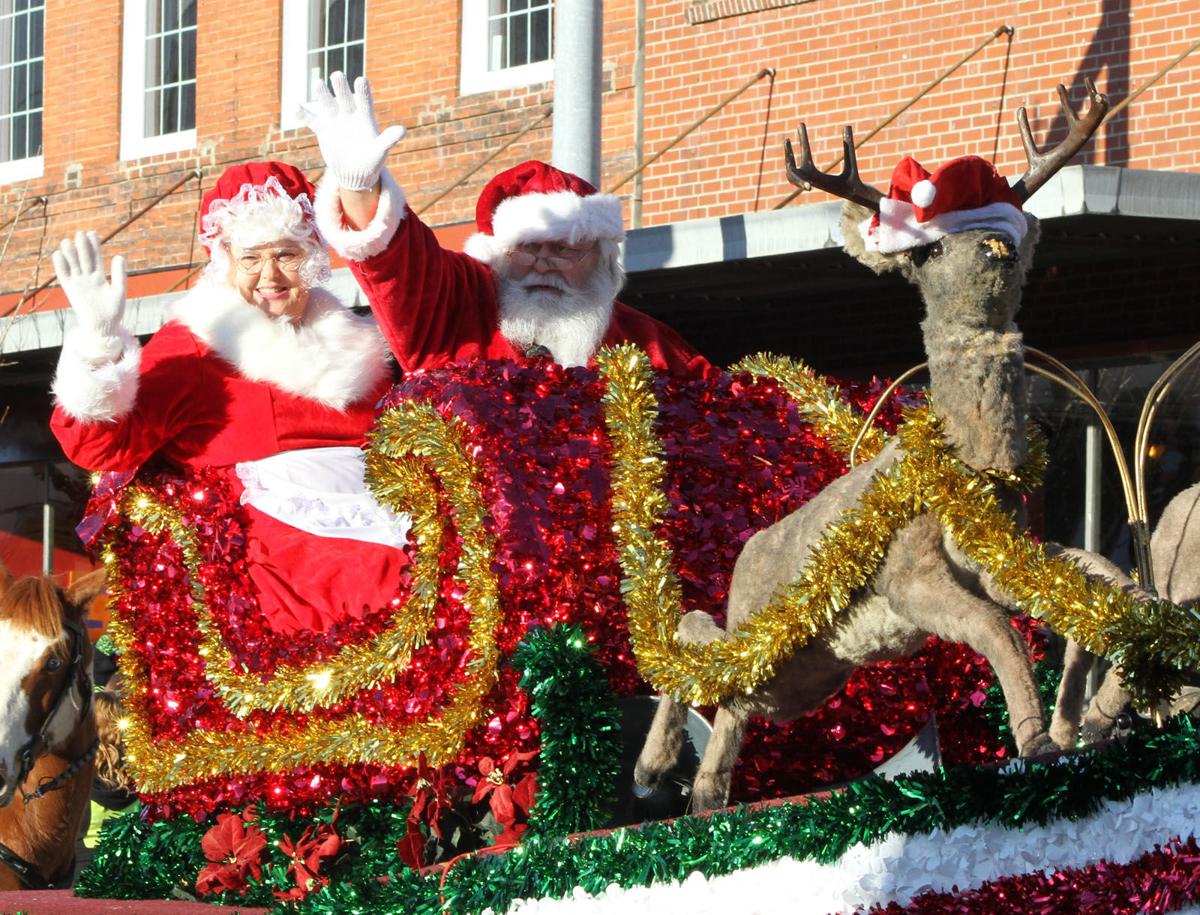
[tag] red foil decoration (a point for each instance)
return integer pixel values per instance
(738, 459)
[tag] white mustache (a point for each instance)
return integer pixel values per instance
(546, 279)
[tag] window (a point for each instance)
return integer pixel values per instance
(158, 106)
(506, 43)
(319, 37)
(21, 58)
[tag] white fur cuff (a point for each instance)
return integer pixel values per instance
(96, 393)
(355, 244)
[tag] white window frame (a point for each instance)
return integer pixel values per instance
(134, 142)
(293, 73)
(30, 167)
(474, 76)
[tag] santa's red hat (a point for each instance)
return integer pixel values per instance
(965, 193)
(260, 198)
(535, 202)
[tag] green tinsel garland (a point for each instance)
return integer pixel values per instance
(137, 859)
(822, 830)
(576, 711)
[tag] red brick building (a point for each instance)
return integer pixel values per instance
(112, 103)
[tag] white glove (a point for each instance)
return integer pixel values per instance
(344, 122)
(99, 305)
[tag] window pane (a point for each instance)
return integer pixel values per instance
(189, 54)
(151, 123)
(540, 37)
(170, 109)
(518, 52)
(153, 16)
(170, 18)
(336, 60)
(354, 62)
(153, 63)
(356, 20)
(187, 106)
(35, 134)
(517, 5)
(35, 85)
(188, 14)
(20, 137)
(171, 60)
(36, 27)
(20, 88)
(20, 45)
(334, 20)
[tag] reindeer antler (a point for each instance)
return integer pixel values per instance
(847, 185)
(1043, 165)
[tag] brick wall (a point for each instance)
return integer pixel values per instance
(845, 62)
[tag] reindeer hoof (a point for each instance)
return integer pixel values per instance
(1039, 745)
(709, 793)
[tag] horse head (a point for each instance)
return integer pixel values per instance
(45, 682)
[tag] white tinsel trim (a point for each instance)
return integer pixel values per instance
(561, 216)
(360, 244)
(334, 357)
(91, 393)
(899, 230)
(900, 867)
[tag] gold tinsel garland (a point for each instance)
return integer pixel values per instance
(925, 477)
(303, 687)
(818, 401)
(160, 765)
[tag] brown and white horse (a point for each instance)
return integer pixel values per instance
(48, 735)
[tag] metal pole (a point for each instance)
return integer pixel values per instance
(1092, 451)
(47, 526)
(578, 35)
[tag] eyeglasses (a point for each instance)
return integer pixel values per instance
(256, 261)
(560, 257)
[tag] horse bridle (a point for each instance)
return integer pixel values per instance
(77, 676)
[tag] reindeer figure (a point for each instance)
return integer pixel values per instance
(971, 284)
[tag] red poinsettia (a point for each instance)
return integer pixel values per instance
(305, 857)
(430, 796)
(507, 801)
(234, 850)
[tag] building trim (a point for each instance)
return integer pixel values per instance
(711, 10)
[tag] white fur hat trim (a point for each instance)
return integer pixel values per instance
(561, 216)
(899, 230)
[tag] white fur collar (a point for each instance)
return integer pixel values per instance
(334, 357)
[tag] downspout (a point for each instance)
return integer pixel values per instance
(639, 115)
(578, 37)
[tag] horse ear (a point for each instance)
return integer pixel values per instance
(82, 590)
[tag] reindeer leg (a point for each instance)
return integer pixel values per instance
(1068, 704)
(1108, 705)
(925, 591)
(710, 790)
(660, 752)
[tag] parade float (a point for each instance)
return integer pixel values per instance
(460, 749)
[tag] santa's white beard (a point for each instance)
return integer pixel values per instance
(570, 323)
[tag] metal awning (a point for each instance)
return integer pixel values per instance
(1117, 268)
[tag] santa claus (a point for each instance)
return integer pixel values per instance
(541, 275)
(261, 374)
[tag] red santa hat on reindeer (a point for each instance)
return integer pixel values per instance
(535, 202)
(965, 193)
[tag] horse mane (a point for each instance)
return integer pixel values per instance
(35, 604)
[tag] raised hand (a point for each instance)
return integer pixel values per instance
(351, 143)
(98, 304)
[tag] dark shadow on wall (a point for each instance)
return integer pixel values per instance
(1106, 63)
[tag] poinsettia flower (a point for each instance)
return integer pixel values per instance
(506, 800)
(234, 849)
(305, 856)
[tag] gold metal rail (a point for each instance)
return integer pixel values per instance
(194, 173)
(1000, 30)
(463, 178)
(765, 71)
